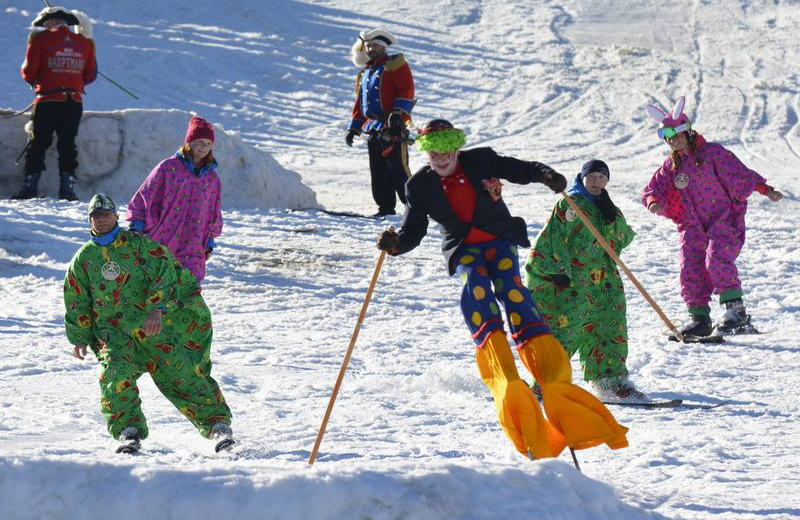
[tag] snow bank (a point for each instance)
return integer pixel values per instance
(116, 151)
(54, 489)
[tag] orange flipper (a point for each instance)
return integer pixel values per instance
(517, 409)
(577, 414)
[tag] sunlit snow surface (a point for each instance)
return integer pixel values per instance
(413, 433)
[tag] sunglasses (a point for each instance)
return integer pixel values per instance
(668, 132)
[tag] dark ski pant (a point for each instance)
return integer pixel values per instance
(63, 118)
(496, 264)
(389, 174)
(180, 367)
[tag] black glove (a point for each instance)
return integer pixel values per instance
(351, 134)
(606, 207)
(560, 280)
(389, 241)
(395, 123)
(554, 180)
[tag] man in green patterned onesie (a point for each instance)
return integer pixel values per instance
(131, 302)
(577, 285)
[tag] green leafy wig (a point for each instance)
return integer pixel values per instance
(443, 141)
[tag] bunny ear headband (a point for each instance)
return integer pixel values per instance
(671, 123)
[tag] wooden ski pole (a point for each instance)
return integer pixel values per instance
(346, 360)
(622, 266)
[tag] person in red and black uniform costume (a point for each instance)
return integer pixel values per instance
(384, 99)
(58, 64)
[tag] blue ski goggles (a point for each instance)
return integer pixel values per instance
(668, 132)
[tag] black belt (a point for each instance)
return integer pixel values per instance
(60, 90)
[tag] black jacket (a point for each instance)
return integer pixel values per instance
(426, 199)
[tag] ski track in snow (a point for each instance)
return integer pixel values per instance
(413, 433)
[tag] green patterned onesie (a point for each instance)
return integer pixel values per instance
(108, 293)
(588, 316)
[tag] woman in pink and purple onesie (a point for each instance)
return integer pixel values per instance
(179, 204)
(703, 188)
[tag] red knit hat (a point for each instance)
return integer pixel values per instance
(199, 128)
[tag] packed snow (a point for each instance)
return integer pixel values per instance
(413, 433)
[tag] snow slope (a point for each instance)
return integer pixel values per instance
(413, 433)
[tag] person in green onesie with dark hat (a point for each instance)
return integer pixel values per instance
(578, 286)
(130, 302)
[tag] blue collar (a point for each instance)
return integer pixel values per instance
(189, 164)
(106, 239)
(578, 188)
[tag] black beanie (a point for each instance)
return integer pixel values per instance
(595, 165)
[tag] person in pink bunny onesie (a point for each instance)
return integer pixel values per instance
(179, 203)
(703, 188)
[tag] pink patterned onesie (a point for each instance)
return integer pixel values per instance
(708, 203)
(180, 210)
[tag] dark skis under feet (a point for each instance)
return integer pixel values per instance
(689, 338)
(674, 403)
(341, 213)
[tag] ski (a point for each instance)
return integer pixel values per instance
(647, 404)
(674, 403)
(340, 213)
(698, 406)
(742, 330)
(689, 338)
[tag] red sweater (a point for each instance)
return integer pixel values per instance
(461, 195)
(59, 58)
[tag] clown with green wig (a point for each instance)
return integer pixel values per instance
(459, 189)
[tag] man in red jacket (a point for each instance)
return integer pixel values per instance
(384, 99)
(58, 63)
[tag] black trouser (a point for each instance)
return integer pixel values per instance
(389, 174)
(63, 118)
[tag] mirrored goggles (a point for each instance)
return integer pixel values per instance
(669, 132)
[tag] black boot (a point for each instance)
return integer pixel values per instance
(736, 320)
(699, 326)
(30, 184)
(66, 188)
(130, 441)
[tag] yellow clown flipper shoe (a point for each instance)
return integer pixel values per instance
(582, 419)
(517, 409)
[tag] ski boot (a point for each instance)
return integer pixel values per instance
(131, 442)
(618, 388)
(736, 320)
(66, 187)
(223, 434)
(383, 213)
(699, 330)
(30, 184)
